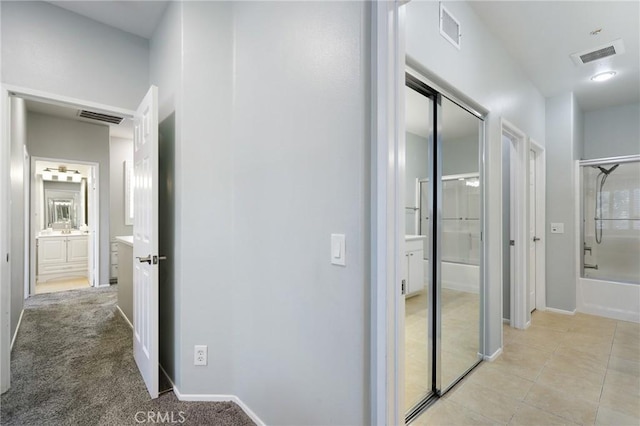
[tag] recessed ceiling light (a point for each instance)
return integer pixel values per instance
(603, 76)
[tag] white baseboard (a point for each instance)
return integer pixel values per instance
(493, 356)
(125, 317)
(219, 398)
(15, 334)
(102, 285)
(506, 321)
(560, 311)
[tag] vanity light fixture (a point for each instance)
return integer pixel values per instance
(62, 174)
(603, 76)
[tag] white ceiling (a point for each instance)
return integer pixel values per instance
(123, 130)
(540, 36)
(135, 17)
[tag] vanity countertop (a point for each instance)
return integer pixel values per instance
(52, 234)
(125, 239)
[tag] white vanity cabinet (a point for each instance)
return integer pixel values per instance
(414, 264)
(61, 256)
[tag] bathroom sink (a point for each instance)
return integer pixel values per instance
(59, 232)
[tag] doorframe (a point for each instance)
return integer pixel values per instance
(541, 248)
(93, 266)
(5, 241)
(519, 182)
(6, 91)
(387, 302)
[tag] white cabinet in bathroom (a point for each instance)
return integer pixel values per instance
(414, 265)
(113, 275)
(62, 256)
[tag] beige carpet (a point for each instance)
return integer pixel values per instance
(72, 364)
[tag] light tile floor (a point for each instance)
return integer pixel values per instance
(563, 370)
(460, 340)
(62, 284)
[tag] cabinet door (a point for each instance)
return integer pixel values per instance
(51, 250)
(416, 272)
(77, 250)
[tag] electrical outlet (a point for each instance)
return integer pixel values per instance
(200, 355)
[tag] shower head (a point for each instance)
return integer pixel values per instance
(608, 172)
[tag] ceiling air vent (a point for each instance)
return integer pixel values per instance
(449, 27)
(112, 119)
(616, 47)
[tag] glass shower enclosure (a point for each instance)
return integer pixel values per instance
(610, 199)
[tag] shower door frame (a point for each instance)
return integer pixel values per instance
(580, 228)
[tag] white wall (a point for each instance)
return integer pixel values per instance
(53, 137)
(301, 173)
(18, 141)
(273, 311)
(48, 48)
(612, 132)
(483, 73)
(120, 150)
(562, 113)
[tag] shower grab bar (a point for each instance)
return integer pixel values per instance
(588, 266)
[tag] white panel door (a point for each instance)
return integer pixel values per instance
(145, 240)
(532, 231)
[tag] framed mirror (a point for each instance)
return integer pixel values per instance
(61, 208)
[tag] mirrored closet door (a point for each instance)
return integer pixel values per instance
(443, 248)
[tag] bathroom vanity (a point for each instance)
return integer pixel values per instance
(414, 264)
(125, 275)
(62, 255)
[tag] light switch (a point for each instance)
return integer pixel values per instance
(338, 249)
(557, 228)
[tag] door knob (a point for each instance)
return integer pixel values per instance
(536, 239)
(144, 259)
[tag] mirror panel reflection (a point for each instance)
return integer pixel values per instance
(459, 243)
(418, 350)
(62, 205)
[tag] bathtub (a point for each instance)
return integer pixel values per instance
(457, 276)
(616, 300)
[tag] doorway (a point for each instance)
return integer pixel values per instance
(64, 218)
(71, 155)
(441, 281)
(517, 237)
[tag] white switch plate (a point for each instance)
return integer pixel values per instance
(338, 246)
(557, 228)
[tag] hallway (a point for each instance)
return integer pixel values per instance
(72, 363)
(579, 369)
